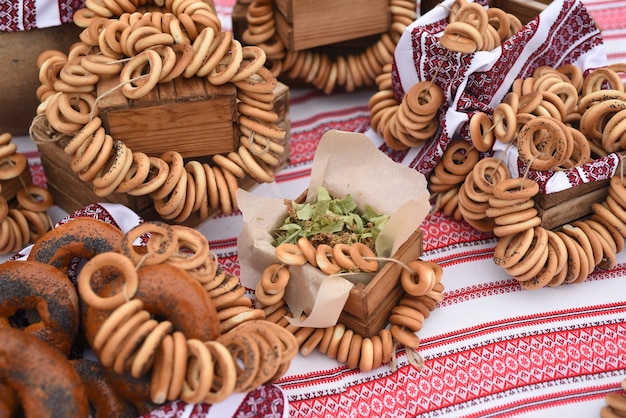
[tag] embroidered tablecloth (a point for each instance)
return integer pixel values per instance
(490, 348)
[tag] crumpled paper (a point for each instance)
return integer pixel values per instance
(345, 163)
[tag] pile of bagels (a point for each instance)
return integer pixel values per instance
(557, 119)
(415, 120)
(420, 280)
(144, 45)
(25, 218)
(163, 320)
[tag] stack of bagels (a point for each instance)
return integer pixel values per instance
(23, 217)
(557, 119)
(163, 319)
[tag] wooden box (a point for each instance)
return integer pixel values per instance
(333, 50)
(560, 208)
(19, 74)
(525, 10)
(186, 114)
(305, 24)
(70, 193)
(10, 187)
(368, 307)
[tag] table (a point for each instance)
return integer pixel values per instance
(490, 348)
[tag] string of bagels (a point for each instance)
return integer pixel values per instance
(177, 39)
(26, 219)
(421, 281)
(558, 119)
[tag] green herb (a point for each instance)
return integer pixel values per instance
(330, 221)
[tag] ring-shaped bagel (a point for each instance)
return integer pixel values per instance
(32, 367)
(167, 292)
(82, 237)
(162, 243)
(31, 285)
(419, 280)
(108, 259)
(135, 89)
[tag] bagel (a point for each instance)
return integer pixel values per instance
(82, 237)
(47, 298)
(102, 396)
(44, 379)
(167, 292)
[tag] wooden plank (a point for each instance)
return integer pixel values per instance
(110, 96)
(572, 209)
(363, 301)
(378, 319)
(193, 89)
(70, 192)
(547, 201)
(193, 128)
(10, 187)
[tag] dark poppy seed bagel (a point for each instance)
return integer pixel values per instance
(167, 293)
(41, 301)
(83, 237)
(45, 381)
(103, 399)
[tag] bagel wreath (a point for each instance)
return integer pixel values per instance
(175, 39)
(318, 68)
(420, 280)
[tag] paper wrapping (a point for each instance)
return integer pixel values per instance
(563, 33)
(345, 163)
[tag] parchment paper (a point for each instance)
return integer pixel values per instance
(345, 163)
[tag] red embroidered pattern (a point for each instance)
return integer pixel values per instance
(478, 371)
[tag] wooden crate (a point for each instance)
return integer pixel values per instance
(560, 208)
(71, 193)
(305, 24)
(187, 114)
(368, 307)
(10, 187)
(341, 48)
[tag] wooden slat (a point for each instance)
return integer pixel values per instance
(69, 191)
(195, 117)
(572, 209)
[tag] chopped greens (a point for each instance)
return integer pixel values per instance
(330, 221)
